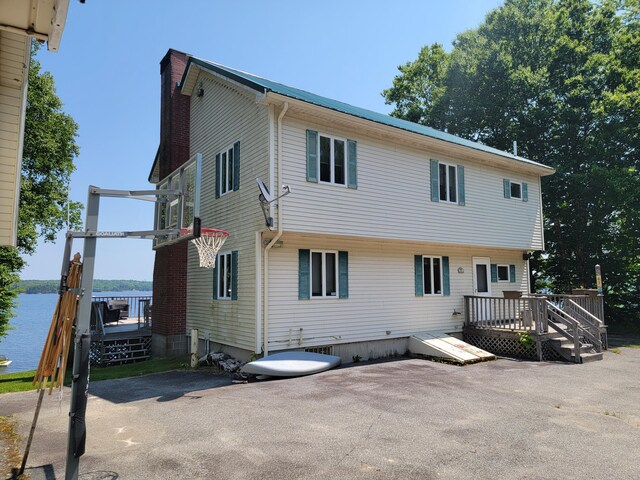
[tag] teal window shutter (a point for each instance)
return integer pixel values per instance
(312, 156)
(506, 186)
(304, 271)
(218, 167)
(512, 273)
(236, 165)
(494, 273)
(352, 162)
(460, 185)
(215, 279)
(343, 274)
(446, 288)
(435, 182)
(525, 192)
(234, 275)
(417, 261)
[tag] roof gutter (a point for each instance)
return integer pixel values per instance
(265, 303)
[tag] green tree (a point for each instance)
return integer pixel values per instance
(47, 163)
(562, 77)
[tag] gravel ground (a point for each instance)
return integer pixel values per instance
(399, 419)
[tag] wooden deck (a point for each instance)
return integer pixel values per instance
(553, 327)
(123, 340)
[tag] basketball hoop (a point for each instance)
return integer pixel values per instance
(208, 244)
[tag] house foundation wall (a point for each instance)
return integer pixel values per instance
(168, 345)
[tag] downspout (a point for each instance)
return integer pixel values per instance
(276, 190)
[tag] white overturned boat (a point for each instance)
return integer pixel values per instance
(291, 364)
(4, 361)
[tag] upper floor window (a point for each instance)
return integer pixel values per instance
(331, 160)
(228, 170)
(447, 182)
(447, 177)
(519, 190)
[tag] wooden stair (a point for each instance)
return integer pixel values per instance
(565, 347)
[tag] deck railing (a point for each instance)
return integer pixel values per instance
(524, 313)
(530, 313)
(136, 303)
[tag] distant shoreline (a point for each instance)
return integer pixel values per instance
(51, 286)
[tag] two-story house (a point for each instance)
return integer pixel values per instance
(389, 224)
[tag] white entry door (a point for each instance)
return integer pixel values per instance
(482, 287)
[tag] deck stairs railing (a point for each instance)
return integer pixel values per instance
(572, 339)
(574, 325)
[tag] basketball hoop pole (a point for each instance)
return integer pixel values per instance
(76, 419)
(76, 433)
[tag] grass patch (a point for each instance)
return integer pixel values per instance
(21, 381)
(615, 350)
(17, 382)
(139, 368)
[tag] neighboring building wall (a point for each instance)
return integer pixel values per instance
(226, 114)
(381, 292)
(393, 196)
(170, 268)
(14, 50)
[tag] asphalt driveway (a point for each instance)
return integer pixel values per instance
(400, 419)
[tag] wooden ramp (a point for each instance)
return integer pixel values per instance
(441, 345)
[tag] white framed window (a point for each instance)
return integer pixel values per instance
(447, 183)
(503, 273)
(432, 275)
(324, 274)
(516, 190)
(224, 280)
(226, 170)
(332, 159)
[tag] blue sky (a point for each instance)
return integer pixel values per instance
(107, 74)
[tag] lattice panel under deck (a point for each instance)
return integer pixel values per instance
(505, 346)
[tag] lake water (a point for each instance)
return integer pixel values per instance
(23, 345)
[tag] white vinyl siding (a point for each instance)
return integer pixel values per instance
(13, 48)
(381, 292)
(224, 115)
(393, 197)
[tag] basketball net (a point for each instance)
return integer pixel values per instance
(208, 244)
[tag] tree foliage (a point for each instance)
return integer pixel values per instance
(562, 77)
(47, 163)
(52, 286)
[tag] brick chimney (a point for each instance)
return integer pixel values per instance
(170, 268)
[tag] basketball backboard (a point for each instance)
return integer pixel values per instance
(177, 212)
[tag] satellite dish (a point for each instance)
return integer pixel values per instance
(264, 191)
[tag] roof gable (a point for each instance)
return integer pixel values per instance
(263, 86)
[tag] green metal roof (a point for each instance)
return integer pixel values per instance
(264, 85)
